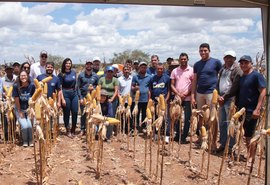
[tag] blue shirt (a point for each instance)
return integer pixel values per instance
(151, 71)
(207, 75)
(24, 94)
(159, 85)
(68, 80)
(143, 82)
(84, 81)
(53, 85)
(249, 90)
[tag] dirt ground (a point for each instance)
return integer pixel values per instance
(70, 163)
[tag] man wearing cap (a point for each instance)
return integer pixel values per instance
(87, 81)
(39, 67)
(96, 64)
(181, 83)
(152, 69)
(252, 91)
(16, 68)
(141, 82)
(227, 86)
(135, 68)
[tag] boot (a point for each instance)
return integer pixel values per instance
(73, 131)
(68, 132)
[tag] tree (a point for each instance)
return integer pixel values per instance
(120, 58)
(56, 59)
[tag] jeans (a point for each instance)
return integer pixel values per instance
(83, 118)
(72, 105)
(223, 124)
(187, 113)
(26, 126)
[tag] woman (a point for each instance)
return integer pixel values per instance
(69, 99)
(26, 67)
(23, 89)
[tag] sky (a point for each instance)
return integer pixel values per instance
(83, 31)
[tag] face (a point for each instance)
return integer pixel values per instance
(9, 71)
(204, 53)
(68, 65)
(103, 98)
(229, 60)
(88, 66)
(160, 70)
(23, 77)
(183, 61)
(109, 74)
(26, 67)
(96, 65)
(43, 58)
(246, 66)
(49, 69)
(142, 69)
(154, 61)
(136, 66)
(16, 69)
(126, 71)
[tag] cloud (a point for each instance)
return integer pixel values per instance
(165, 31)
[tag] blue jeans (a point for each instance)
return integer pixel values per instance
(83, 118)
(72, 105)
(223, 124)
(26, 126)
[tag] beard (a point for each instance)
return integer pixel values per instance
(49, 72)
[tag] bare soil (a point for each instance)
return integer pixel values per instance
(70, 162)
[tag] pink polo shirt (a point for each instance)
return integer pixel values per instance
(183, 80)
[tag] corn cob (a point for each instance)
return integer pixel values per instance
(203, 131)
(239, 113)
(10, 91)
(113, 121)
(51, 102)
(37, 110)
(45, 88)
(45, 80)
(84, 101)
(162, 102)
(215, 97)
(37, 94)
(93, 94)
(268, 131)
(5, 89)
(54, 95)
(148, 113)
(10, 115)
(37, 84)
(129, 101)
(94, 103)
(150, 103)
(137, 96)
(89, 97)
(98, 93)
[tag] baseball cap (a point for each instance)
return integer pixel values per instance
(88, 61)
(8, 66)
(96, 59)
(43, 52)
(115, 66)
(230, 53)
(246, 58)
(16, 63)
(103, 92)
(175, 63)
(142, 63)
(136, 62)
(109, 68)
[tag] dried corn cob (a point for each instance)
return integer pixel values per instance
(45, 80)
(215, 97)
(148, 113)
(98, 93)
(93, 94)
(162, 102)
(45, 88)
(37, 94)
(84, 101)
(203, 131)
(37, 84)
(10, 91)
(239, 113)
(94, 103)
(10, 115)
(137, 96)
(51, 102)
(89, 97)
(268, 131)
(113, 121)
(150, 103)
(129, 101)
(54, 97)
(5, 89)
(37, 111)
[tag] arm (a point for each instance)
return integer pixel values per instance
(235, 85)
(256, 112)
(194, 89)
(79, 87)
(115, 94)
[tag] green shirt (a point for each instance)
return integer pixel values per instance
(108, 85)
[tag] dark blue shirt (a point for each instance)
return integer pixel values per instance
(143, 82)
(159, 85)
(207, 75)
(106, 109)
(249, 90)
(68, 80)
(24, 94)
(53, 85)
(151, 71)
(84, 81)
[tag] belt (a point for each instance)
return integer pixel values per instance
(68, 88)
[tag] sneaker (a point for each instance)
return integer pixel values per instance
(82, 133)
(31, 144)
(220, 149)
(25, 144)
(167, 139)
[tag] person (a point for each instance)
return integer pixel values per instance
(181, 83)
(39, 67)
(54, 84)
(87, 81)
(205, 77)
(107, 111)
(252, 91)
(141, 82)
(152, 69)
(168, 65)
(69, 98)
(96, 64)
(160, 84)
(227, 86)
(117, 72)
(23, 89)
(129, 63)
(125, 82)
(16, 68)
(26, 66)
(135, 68)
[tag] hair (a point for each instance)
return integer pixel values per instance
(50, 63)
(18, 81)
(183, 55)
(126, 66)
(63, 67)
(129, 61)
(205, 45)
(160, 64)
(170, 59)
(153, 56)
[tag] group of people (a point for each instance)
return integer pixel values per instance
(176, 79)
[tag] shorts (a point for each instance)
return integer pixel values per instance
(249, 125)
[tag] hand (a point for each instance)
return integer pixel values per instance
(58, 105)
(21, 114)
(90, 88)
(81, 101)
(256, 114)
(137, 87)
(221, 100)
(193, 102)
(64, 103)
(110, 100)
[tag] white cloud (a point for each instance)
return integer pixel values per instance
(166, 31)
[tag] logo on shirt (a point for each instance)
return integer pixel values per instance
(158, 86)
(52, 84)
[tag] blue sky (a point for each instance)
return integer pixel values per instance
(82, 31)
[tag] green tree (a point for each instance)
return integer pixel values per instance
(56, 59)
(120, 58)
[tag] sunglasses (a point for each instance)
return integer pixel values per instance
(26, 67)
(43, 56)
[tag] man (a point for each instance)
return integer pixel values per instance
(96, 64)
(87, 81)
(16, 68)
(38, 68)
(181, 83)
(205, 77)
(125, 82)
(168, 62)
(152, 69)
(141, 82)
(228, 85)
(252, 91)
(160, 84)
(135, 67)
